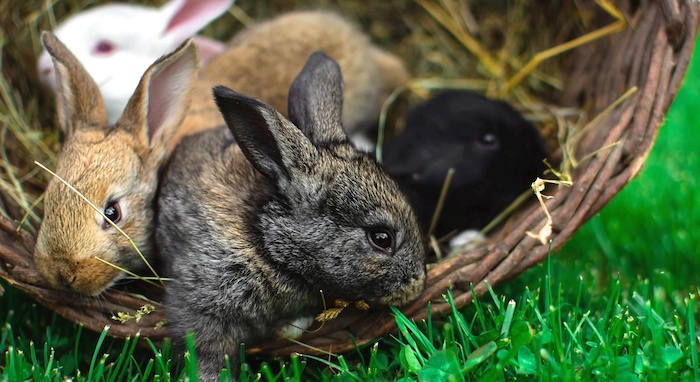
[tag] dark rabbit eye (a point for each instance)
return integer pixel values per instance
(103, 47)
(488, 140)
(381, 239)
(113, 212)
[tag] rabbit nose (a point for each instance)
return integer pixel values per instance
(66, 276)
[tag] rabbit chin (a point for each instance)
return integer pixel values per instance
(87, 277)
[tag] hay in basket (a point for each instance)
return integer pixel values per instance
(596, 78)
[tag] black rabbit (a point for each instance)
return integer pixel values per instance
(496, 155)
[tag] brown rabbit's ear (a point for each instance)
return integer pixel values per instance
(77, 96)
(315, 103)
(272, 145)
(161, 100)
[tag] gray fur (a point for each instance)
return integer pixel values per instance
(251, 232)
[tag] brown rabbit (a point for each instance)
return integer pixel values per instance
(263, 60)
(114, 166)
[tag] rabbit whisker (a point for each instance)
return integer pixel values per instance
(132, 274)
(144, 278)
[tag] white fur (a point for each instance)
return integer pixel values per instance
(139, 35)
(296, 328)
(467, 240)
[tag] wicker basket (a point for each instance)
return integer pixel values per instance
(652, 53)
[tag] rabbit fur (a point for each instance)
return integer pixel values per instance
(496, 155)
(114, 166)
(255, 219)
(263, 60)
(116, 43)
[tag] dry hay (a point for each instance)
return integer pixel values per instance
(626, 71)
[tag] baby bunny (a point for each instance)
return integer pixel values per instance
(116, 43)
(496, 155)
(114, 166)
(263, 60)
(255, 221)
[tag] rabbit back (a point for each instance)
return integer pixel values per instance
(263, 60)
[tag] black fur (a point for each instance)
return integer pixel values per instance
(452, 130)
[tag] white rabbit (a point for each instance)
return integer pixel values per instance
(116, 43)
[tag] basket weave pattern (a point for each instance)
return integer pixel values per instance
(651, 54)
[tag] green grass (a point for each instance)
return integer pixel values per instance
(630, 315)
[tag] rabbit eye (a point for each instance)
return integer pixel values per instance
(103, 47)
(113, 212)
(488, 140)
(381, 239)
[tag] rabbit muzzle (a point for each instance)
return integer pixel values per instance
(88, 276)
(405, 293)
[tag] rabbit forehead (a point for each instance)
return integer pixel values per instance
(359, 187)
(135, 48)
(99, 164)
(112, 21)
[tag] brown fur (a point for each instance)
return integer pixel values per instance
(263, 61)
(107, 163)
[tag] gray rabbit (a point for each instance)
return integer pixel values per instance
(252, 225)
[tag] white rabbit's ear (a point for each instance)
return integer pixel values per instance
(161, 100)
(78, 99)
(186, 17)
(208, 48)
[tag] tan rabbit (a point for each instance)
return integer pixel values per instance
(263, 60)
(114, 166)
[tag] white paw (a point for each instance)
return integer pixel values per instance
(362, 142)
(466, 239)
(296, 328)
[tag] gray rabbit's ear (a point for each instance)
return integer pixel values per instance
(315, 101)
(161, 99)
(273, 145)
(78, 99)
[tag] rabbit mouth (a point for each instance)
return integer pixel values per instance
(405, 294)
(86, 277)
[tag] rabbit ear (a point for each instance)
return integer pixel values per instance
(186, 17)
(161, 100)
(208, 48)
(77, 96)
(315, 103)
(272, 144)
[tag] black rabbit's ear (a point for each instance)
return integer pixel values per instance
(315, 101)
(272, 144)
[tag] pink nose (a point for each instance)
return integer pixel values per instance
(46, 70)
